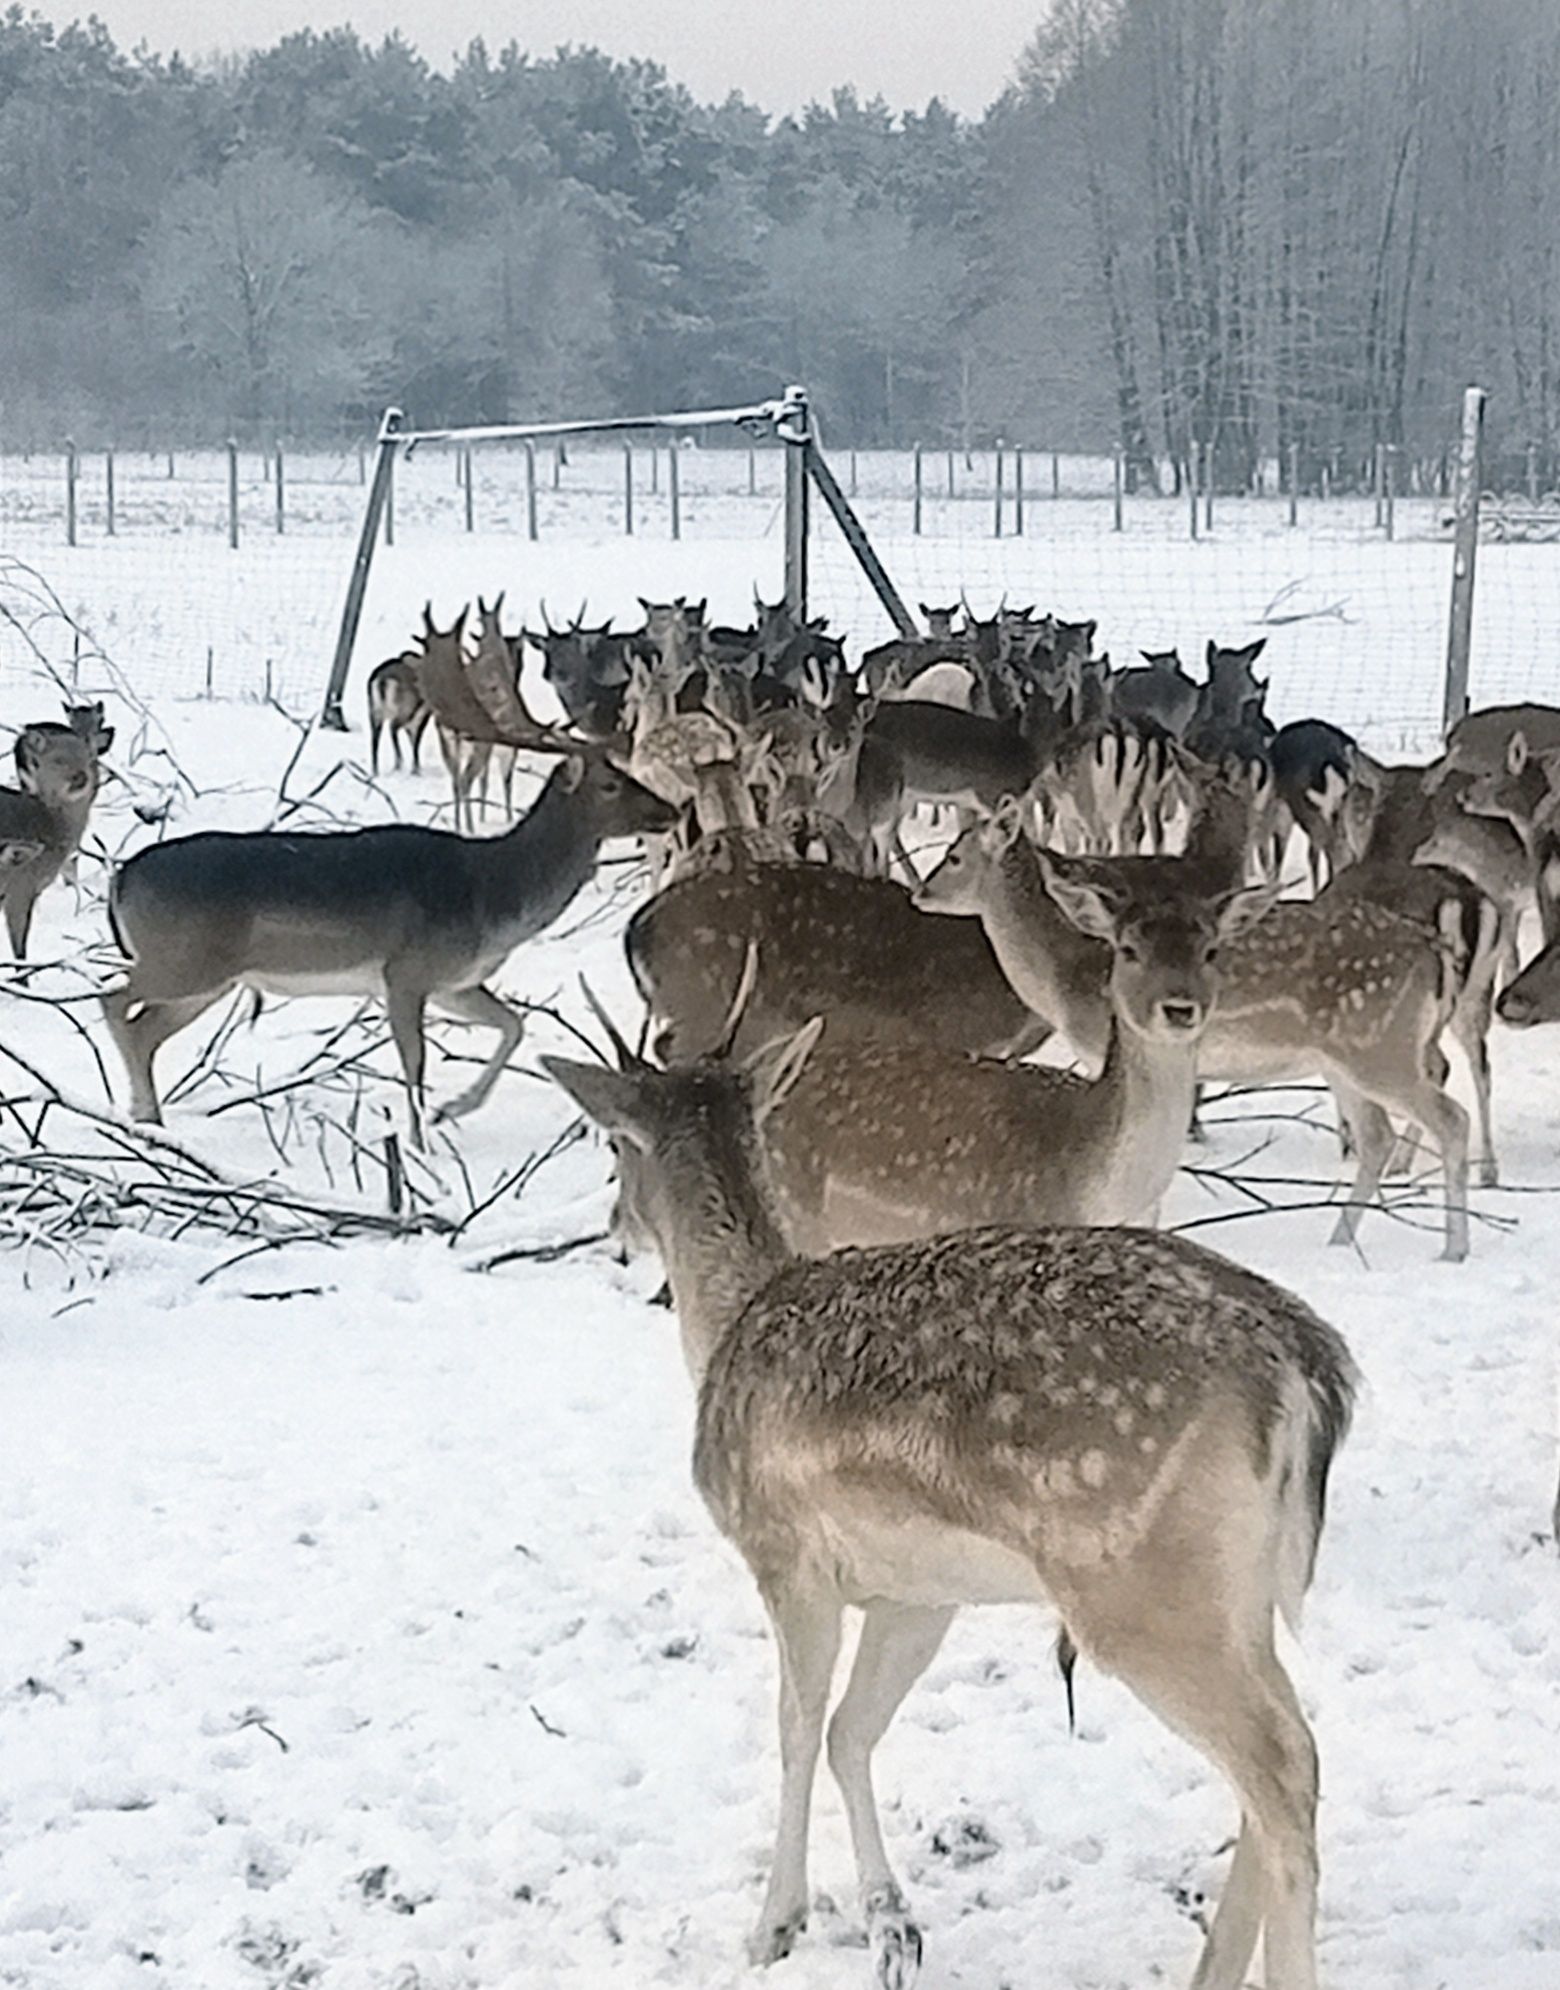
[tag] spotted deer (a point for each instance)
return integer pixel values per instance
(886, 1138)
(396, 705)
(1116, 1424)
(829, 943)
(1341, 987)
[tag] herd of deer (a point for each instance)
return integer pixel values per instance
(942, 1354)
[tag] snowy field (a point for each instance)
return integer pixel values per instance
(360, 1627)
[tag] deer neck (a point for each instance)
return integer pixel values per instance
(1043, 955)
(720, 1240)
(1151, 1089)
(544, 860)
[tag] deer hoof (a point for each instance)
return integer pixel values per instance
(772, 1941)
(894, 1941)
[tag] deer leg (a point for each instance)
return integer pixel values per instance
(898, 1641)
(481, 1005)
(806, 1620)
(1370, 1134)
(414, 733)
(1447, 1125)
(1470, 1027)
(374, 728)
(1229, 1696)
(20, 898)
(407, 1010)
(140, 1026)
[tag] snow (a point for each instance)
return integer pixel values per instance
(372, 1636)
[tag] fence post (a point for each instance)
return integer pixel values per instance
(389, 499)
(170, 466)
(1389, 489)
(915, 516)
(628, 489)
(1464, 558)
(466, 479)
(1207, 486)
(332, 715)
(853, 473)
(1018, 493)
(1191, 483)
(1118, 480)
(362, 465)
(1377, 474)
(1532, 472)
(108, 491)
(530, 490)
(1056, 475)
(281, 493)
(232, 483)
(655, 469)
(996, 522)
(752, 473)
(674, 490)
(1294, 483)
(950, 473)
(70, 492)
(557, 465)
(796, 488)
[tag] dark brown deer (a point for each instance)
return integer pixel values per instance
(410, 915)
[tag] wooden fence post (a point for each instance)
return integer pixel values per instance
(281, 494)
(674, 490)
(530, 490)
(70, 492)
(915, 524)
(628, 489)
(110, 519)
(232, 484)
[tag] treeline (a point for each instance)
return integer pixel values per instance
(1248, 226)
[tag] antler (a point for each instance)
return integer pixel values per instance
(739, 1002)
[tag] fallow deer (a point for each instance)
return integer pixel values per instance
(396, 704)
(1115, 1423)
(409, 915)
(43, 821)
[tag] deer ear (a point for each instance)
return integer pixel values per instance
(1240, 909)
(1253, 650)
(775, 1067)
(1082, 901)
(613, 1100)
(1516, 752)
(498, 599)
(1213, 651)
(571, 773)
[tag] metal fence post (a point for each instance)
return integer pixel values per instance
(674, 490)
(232, 484)
(332, 715)
(1459, 641)
(1389, 489)
(1056, 475)
(796, 508)
(530, 490)
(1294, 483)
(1377, 478)
(996, 521)
(281, 494)
(1018, 493)
(466, 479)
(1532, 472)
(628, 489)
(70, 492)
(1191, 484)
(1118, 480)
(950, 473)
(915, 521)
(1207, 486)
(110, 520)
(752, 473)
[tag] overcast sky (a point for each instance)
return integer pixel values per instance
(779, 53)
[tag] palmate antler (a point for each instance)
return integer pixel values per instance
(479, 699)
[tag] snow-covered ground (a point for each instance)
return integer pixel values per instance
(359, 1626)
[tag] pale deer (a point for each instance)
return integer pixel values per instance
(1480, 741)
(42, 822)
(1340, 988)
(1114, 1423)
(408, 915)
(396, 704)
(886, 1138)
(829, 943)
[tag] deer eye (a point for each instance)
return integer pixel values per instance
(1129, 950)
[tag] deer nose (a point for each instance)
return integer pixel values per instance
(1516, 1009)
(1181, 1018)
